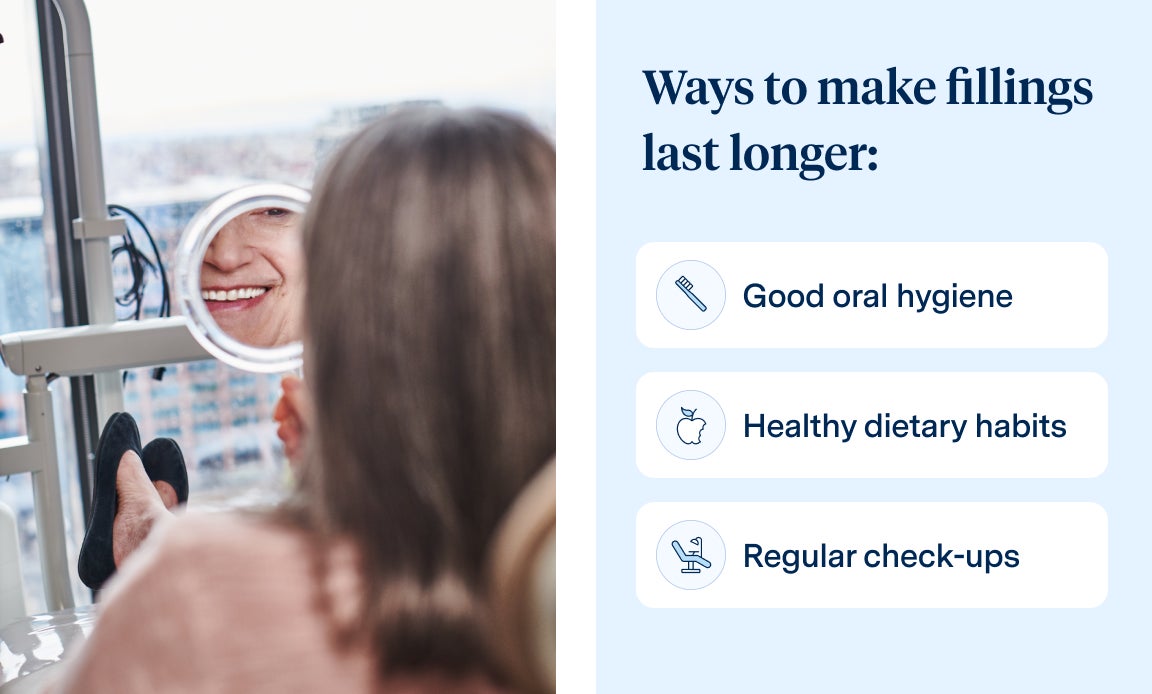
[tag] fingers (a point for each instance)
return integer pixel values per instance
(290, 436)
(298, 399)
(284, 406)
(291, 382)
(293, 413)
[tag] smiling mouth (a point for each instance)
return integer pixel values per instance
(223, 302)
(232, 294)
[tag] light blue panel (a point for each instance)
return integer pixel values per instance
(944, 173)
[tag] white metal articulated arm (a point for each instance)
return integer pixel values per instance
(94, 226)
(93, 349)
(78, 351)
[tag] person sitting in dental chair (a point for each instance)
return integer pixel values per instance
(430, 359)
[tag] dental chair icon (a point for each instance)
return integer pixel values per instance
(692, 558)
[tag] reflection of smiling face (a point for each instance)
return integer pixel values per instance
(252, 277)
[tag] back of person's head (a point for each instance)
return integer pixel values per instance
(430, 253)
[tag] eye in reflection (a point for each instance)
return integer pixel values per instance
(251, 278)
(240, 277)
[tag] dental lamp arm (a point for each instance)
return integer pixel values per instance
(91, 349)
(94, 226)
(74, 352)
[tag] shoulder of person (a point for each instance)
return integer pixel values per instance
(191, 549)
(226, 532)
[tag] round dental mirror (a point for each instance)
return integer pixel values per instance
(240, 279)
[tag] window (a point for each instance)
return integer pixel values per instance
(29, 283)
(262, 105)
(237, 92)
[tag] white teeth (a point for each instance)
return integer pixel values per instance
(232, 294)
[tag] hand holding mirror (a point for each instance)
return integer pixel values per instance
(240, 279)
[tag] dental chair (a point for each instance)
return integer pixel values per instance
(11, 582)
(31, 646)
(522, 594)
(522, 586)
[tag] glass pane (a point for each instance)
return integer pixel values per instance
(248, 91)
(29, 285)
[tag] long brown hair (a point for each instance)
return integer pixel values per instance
(430, 253)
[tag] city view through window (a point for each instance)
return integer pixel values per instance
(222, 417)
(181, 127)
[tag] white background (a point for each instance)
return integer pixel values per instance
(1062, 551)
(1079, 399)
(1059, 294)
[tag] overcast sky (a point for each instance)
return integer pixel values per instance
(213, 65)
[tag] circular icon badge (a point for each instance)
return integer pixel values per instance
(690, 295)
(690, 555)
(690, 424)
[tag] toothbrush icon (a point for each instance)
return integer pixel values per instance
(685, 286)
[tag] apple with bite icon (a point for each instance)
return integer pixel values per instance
(689, 428)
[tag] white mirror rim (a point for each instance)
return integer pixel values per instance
(190, 256)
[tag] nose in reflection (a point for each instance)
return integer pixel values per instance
(251, 277)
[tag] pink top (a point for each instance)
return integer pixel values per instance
(227, 603)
